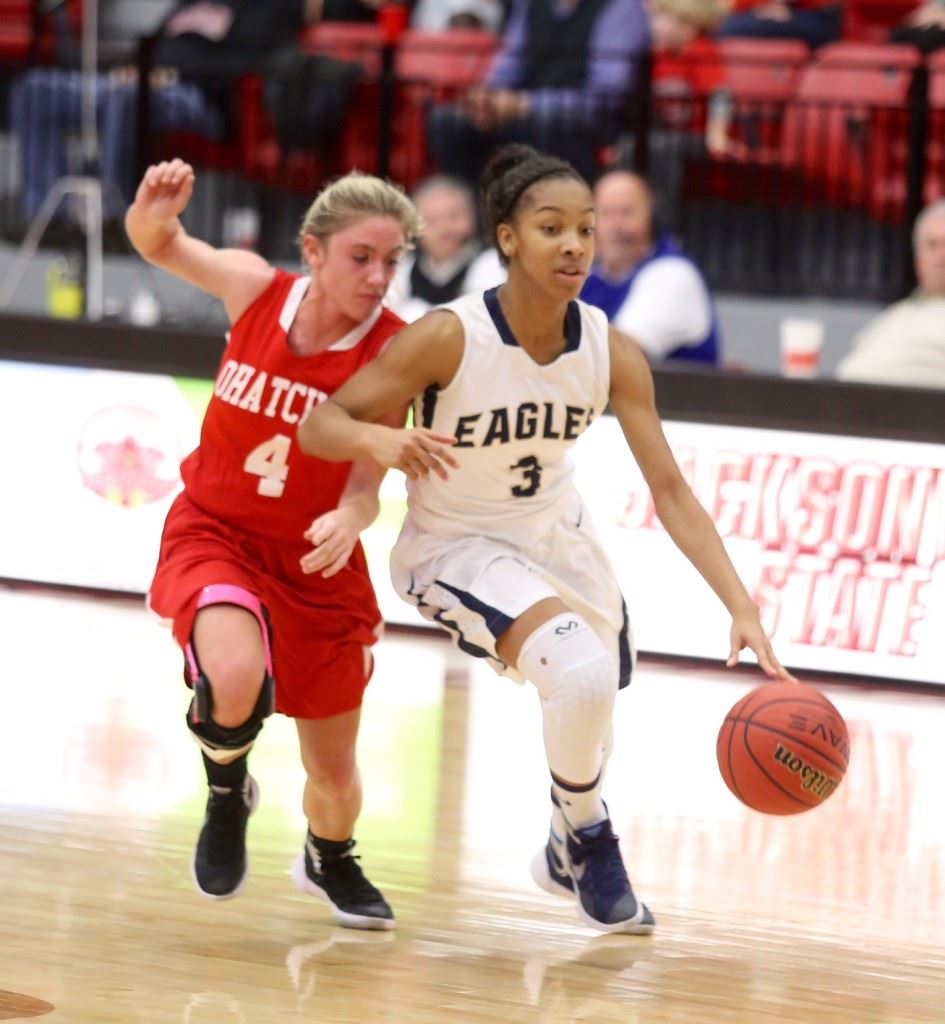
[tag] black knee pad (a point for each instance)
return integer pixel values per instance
(208, 733)
(200, 713)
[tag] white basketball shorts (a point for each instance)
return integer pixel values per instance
(475, 587)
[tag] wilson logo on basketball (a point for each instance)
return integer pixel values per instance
(812, 779)
(837, 739)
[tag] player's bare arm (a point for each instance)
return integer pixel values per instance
(633, 402)
(346, 427)
(234, 276)
(334, 534)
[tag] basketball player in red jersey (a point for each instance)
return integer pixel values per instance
(260, 567)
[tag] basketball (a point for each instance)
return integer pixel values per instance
(783, 748)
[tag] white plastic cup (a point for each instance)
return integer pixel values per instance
(144, 310)
(240, 227)
(801, 343)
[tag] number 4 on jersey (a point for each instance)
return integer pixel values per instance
(270, 462)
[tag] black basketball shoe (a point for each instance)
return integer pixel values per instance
(220, 864)
(339, 879)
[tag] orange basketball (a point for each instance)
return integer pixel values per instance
(783, 748)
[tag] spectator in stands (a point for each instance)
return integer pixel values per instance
(203, 44)
(905, 344)
(643, 281)
(688, 69)
(440, 15)
(923, 28)
(692, 108)
(449, 260)
(564, 72)
(814, 22)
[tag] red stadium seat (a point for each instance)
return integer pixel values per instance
(17, 30)
(860, 56)
(432, 67)
(453, 60)
(847, 126)
(935, 144)
(762, 69)
(356, 41)
(761, 75)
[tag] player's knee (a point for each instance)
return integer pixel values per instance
(333, 778)
(235, 685)
(569, 664)
(591, 686)
(231, 676)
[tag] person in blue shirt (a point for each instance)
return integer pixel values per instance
(560, 82)
(643, 280)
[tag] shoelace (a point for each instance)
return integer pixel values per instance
(224, 825)
(346, 870)
(608, 874)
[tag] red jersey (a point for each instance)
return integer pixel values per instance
(697, 70)
(683, 81)
(248, 469)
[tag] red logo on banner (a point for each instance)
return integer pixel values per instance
(128, 456)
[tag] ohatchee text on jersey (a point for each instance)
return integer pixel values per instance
(246, 387)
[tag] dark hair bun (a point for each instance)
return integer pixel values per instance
(504, 159)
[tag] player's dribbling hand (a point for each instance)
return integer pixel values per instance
(165, 190)
(747, 631)
(333, 536)
(415, 452)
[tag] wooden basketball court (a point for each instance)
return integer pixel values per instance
(832, 917)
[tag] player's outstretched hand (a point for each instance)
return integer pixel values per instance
(747, 631)
(165, 190)
(416, 452)
(333, 536)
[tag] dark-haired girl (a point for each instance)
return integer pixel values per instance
(497, 546)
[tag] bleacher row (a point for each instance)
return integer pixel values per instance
(841, 120)
(838, 120)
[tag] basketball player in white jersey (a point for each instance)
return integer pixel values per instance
(497, 546)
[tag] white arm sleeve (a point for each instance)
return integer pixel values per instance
(668, 306)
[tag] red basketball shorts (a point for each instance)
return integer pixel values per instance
(321, 630)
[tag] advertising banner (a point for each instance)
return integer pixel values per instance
(840, 540)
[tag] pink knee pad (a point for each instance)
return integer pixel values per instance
(228, 593)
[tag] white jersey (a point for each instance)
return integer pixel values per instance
(514, 421)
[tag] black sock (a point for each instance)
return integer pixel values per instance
(330, 849)
(226, 776)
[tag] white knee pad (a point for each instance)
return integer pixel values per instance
(576, 677)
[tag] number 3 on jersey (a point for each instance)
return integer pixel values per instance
(270, 462)
(531, 472)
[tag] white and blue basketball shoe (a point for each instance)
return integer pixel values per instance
(586, 864)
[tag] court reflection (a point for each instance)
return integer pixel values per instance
(834, 916)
